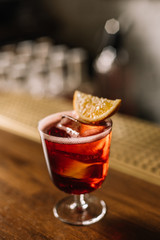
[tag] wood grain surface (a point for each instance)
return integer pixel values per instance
(27, 196)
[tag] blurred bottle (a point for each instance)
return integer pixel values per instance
(112, 76)
(76, 65)
(56, 73)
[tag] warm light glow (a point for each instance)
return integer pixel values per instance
(112, 26)
(105, 60)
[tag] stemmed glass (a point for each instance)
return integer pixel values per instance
(77, 157)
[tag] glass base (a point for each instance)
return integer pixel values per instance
(80, 209)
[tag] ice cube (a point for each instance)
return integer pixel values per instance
(76, 128)
(70, 125)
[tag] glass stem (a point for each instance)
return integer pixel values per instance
(81, 204)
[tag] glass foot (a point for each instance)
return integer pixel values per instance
(80, 209)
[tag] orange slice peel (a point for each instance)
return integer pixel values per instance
(94, 109)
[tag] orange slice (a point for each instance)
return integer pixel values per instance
(94, 109)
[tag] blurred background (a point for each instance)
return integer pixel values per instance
(49, 48)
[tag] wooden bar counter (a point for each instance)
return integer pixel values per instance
(27, 195)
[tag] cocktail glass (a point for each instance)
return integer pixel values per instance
(77, 157)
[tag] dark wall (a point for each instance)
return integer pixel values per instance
(81, 23)
(22, 19)
(74, 22)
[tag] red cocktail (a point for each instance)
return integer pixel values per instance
(77, 157)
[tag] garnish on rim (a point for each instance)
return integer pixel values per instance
(94, 109)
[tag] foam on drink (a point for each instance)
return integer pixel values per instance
(92, 133)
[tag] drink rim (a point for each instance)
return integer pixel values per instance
(46, 121)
